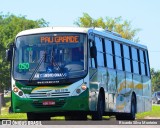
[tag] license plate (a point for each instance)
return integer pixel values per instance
(45, 103)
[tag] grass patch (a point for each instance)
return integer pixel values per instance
(4, 111)
(14, 116)
(154, 113)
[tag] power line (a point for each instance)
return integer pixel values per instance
(153, 51)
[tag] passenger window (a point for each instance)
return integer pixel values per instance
(134, 54)
(135, 67)
(110, 61)
(117, 49)
(143, 69)
(135, 60)
(141, 56)
(147, 64)
(100, 54)
(127, 61)
(108, 46)
(118, 56)
(92, 60)
(126, 51)
(109, 53)
(99, 44)
(119, 63)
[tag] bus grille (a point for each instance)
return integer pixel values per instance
(49, 95)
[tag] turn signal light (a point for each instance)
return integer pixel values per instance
(84, 87)
(15, 89)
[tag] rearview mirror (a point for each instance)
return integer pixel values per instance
(93, 52)
(9, 53)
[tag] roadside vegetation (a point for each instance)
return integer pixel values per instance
(154, 114)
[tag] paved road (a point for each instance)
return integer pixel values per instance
(82, 126)
(112, 123)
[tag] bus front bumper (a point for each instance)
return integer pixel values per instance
(63, 104)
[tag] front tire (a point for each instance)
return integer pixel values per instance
(100, 109)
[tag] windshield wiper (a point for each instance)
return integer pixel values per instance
(37, 67)
(57, 66)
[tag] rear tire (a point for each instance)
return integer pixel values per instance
(100, 109)
(131, 115)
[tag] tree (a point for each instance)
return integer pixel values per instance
(155, 80)
(112, 24)
(10, 25)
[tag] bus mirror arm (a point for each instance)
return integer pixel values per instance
(93, 52)
(9, 53)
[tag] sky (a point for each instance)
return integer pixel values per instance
(143, 14)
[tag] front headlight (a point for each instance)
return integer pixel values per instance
(79, 90)
(18, 91)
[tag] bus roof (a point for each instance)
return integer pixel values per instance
(53, 29)
(99, 31)
(115, 36)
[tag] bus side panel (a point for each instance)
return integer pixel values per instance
(129, 90)
(121, 89)
(138, 89)
(111, 90)
(147, 93)
(98, 80)
(93, 88)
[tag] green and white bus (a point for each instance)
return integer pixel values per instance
(76, 72)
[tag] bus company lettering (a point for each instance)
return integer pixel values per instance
(47, 75)
(59, 39)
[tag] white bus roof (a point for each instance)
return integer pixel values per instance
(99, 31)
(53, 29)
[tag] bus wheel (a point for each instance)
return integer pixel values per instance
(37, 116)
(10, 110)
(100, 109)
(128, 116)
(132, 114)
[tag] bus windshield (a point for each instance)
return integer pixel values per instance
(52, 56)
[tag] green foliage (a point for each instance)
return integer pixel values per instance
(155, 80)
(113, 24)
(10, 26)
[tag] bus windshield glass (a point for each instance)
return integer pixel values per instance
(52, 56)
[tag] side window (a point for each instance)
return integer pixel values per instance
(147, 64)
(142, 63)
(134, 54)
(109, 53)
(92, 62)
(100, 53)
(127, 60)
(135, 60)
(118, 56)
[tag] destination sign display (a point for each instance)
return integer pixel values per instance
(60, 39)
